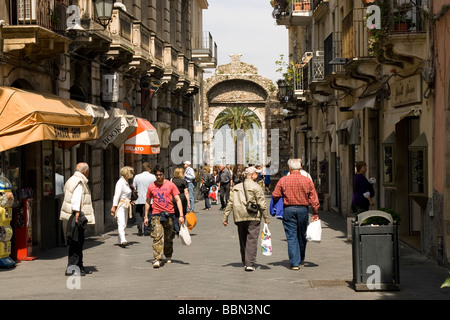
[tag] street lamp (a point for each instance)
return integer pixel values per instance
(103, 11)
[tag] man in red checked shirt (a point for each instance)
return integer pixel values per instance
(298, 192)
(162, 192)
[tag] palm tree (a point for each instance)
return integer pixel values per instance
(239, 119)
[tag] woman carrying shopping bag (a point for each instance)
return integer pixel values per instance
(248, 205)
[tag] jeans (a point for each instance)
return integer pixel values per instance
(295, 222)
(224, 193)
(207, 203)
(191, 194)
(140, 208)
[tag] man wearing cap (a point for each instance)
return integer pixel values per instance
(248, 224)
(189, 177)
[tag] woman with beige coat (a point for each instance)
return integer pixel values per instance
(248, 224)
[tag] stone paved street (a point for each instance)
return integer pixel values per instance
(210, 269)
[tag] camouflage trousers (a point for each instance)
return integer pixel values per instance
(162, 234)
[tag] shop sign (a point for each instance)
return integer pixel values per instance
(113, 132)
(406, 91)
(65, 133)
(110, 92)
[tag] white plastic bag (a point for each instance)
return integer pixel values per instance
(184, 235)
(314, 231)
(266, 241)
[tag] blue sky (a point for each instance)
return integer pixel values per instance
(246, 27)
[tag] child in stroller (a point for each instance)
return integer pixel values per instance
(213, 194)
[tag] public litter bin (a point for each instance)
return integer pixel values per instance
(375, 253)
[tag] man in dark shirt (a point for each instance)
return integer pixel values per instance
(225, 184)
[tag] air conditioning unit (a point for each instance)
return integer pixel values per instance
(26, 10)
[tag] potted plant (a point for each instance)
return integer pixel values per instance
(380, 220)
(85, 21)
(402, 22)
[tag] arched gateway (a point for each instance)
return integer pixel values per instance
(238, 84)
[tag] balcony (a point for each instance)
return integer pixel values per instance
(157, 52)
(295, 12)
(320, 8)
(309, 71)
(121, 51)
(406, 42)
(204, 50)
(195, 76)
(170, 60)
(354, 35)
(142, 58)
(31, 32)
(183, 70)
(332, 50)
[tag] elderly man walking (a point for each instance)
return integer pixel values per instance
(248, 224)
(298, 192)
(77, 209)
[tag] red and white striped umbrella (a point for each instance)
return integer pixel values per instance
(144, 140)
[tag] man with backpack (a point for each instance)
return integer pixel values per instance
(225, 184)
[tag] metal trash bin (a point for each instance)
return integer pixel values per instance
(375, 253)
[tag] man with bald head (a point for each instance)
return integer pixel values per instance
(78, 210)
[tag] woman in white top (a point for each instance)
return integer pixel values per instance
(121, 208)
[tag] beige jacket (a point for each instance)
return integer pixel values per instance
(237, 202)
(86, 200)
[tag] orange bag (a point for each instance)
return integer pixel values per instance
(191, 220)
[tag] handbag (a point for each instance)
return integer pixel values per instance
(134, 193)
(191, 220)
(184, 235)
(252, 208)
(266, 241)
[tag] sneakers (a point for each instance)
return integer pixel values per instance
(156, 264)
(249, 268)
(169, 260)
(295, 268)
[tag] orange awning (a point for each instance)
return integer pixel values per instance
(144, 140)
(27, 117)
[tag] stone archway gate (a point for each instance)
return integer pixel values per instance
(238, 84)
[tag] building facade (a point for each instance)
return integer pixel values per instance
(146, 61)
(364, 89)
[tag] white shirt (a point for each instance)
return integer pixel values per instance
(141, 182)
(76, 198)
(122, 191)
(189, 175)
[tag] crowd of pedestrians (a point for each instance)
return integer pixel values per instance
(161, 205)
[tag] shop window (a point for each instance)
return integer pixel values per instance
(388, 160)
(47, 168)
(59, 171)
(10, 165)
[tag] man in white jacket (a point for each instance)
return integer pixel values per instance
(78, 210)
